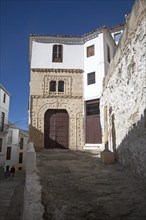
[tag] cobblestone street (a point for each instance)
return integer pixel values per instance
(11, 197)
(78, 186)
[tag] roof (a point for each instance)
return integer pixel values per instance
(117, 27)
(71, 36)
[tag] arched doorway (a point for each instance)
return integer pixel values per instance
(56, 128)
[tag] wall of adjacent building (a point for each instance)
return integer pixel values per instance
(4, 107)
(124, 94)
(97, 63)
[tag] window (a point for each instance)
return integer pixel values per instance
(92, 107)
(61, 86)
(20, 168)
(8, 156)
(20, 157)
(57, 53)
(90, 51)
(91, 78)
(2, 120)
(7, 168)
(117, 37)
(57, 86)
(53, 86)
(1, 141)
(4, 98)
(108, 53)
(21, 143)
(10, 136)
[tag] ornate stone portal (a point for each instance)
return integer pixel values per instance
(70, 100)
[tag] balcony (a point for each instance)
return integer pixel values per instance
(3, 128)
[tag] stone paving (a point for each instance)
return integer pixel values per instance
(78, 186)
(11, 196)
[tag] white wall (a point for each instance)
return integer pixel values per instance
(94, 64)
(42, 56)
(14, 148)
(4, 107)
(108, 40)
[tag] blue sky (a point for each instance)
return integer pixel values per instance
(21, 18)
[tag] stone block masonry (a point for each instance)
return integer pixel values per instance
(124, 94)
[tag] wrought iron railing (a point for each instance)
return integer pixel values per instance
(3, 128)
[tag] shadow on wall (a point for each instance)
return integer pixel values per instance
(43, 141)
(132, 150)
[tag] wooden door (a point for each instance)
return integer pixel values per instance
(93, 126)
(93, 129)
(56, 128)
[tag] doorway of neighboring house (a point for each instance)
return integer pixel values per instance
(56, 128)
(93, 126)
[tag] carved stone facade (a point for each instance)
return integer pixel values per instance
(71, 100)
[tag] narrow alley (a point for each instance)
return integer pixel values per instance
(78, 186)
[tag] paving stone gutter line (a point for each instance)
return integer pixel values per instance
(33, 208)
(15, 209)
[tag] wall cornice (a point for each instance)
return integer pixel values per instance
(52, 70)
(56, 96)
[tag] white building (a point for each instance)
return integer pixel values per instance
(4, 114)
(54, 58)
(17, 141)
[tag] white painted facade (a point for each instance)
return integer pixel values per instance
(12, 145)
(97, 63)
(4, 114)
(75, 57)
(17, 150)
(42, 56)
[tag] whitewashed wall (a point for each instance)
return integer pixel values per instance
(125, 95)
(94, 64)
(13, 143)
(42, 56)
(4, 107)
(97, 63)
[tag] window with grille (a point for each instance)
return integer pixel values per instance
(90, 51)
(2, 121)
(91, 78)
(61, 86)
(53, 86)
(8, 155)
(4, 98)
(21, 143)
(20, 157)
(57, 53)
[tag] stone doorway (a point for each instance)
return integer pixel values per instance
(56, 128)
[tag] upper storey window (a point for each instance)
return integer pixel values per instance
(53, 86)
(117, 36)
(4, 98)
(90, 51)
(57, 53)
(90, 78)
(61, 86)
